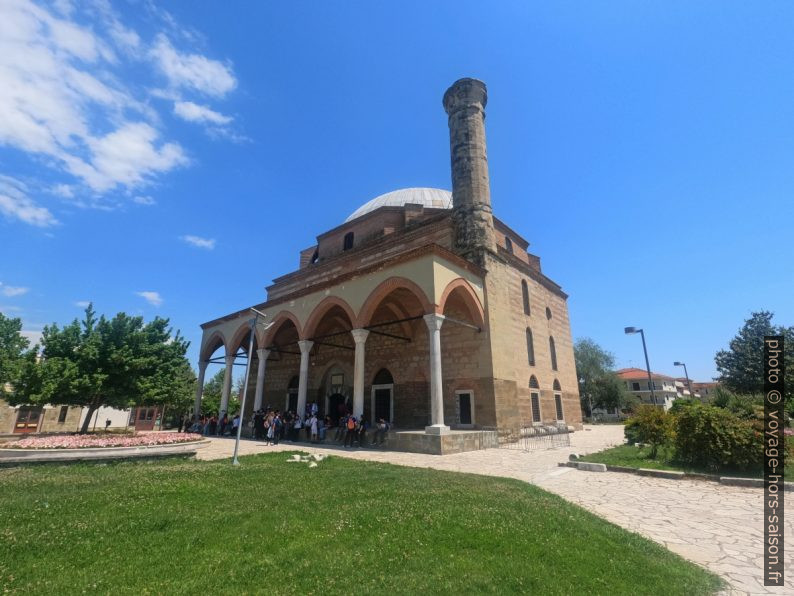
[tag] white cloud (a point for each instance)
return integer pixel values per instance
(82, 303)
(7, 308)
(12, 291)
(16, 204)
(33, 336)
(143, 200)
(152, 298)
(192, 71)
(187, 110)
(199, 242)
(67, 100)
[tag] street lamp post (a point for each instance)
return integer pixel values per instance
(688, 382)
(631, 331)
(254, 322)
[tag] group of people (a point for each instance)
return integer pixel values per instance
(273, 426)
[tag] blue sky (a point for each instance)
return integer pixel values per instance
(171, 158)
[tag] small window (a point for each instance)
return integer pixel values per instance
(509, 245)
(348, 241)
(315, 256)
(525, 295)
(548, 313)
(558, 406)
(556, 385)
(533, 382)
(635, 386)
(62, 414)
(535, 398)
(553, 353)
(530, 347)
(142, 414)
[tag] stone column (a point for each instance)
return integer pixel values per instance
(262, 354)
(227, 387)
(200, 388)
(360, 337)
(437, 427)
(464, 103)
(303, 380)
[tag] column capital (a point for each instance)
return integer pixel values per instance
(434, 321)
(305, 345)
(230, 359)
(262, 353)
(359, 335)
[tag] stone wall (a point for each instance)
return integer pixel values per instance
(512, 370)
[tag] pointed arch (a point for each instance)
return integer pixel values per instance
(319, 311)
(212, 343)
(385, 288)
(278, 321)
(533, 382)
(240, 338)
(470, 300)
(557, 386)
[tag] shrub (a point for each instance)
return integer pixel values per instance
(651, 425)
(716, 438)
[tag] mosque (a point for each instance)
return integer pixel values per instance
(421, 308)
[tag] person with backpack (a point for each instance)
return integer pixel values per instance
(380, 433)
(278, 426)
(363, 426)
(351, 430)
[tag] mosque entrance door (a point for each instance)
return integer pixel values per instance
(336, 407)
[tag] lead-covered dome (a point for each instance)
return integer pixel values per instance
(434, 198)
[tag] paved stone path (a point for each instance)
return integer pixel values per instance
(719, 527)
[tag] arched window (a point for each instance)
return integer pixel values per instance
(348, 241)
(548, 313)
(530, 348)
(383, 377)
(558, 401)
(525, 295)
(553, 353)
(534, 398)
(509, 244)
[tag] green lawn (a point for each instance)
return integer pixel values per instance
(630, 456)
(342, 527)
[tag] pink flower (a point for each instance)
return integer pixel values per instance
(89, 441)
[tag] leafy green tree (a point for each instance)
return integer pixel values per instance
(116, 362)
(741, 366)
(13, 347)
(211, 397)
(598, 384)
(651, 425)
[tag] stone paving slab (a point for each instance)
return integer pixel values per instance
(717, 526)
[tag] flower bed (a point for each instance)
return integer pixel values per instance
(89, 441)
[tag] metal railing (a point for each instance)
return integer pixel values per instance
(531, 437)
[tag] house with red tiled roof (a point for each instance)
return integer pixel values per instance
(664, 387)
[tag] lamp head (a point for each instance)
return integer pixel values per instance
(630, 330)
(678, 364)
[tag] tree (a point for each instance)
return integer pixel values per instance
(13, 346)
(115, 362)
(741, 366)
(211, 397)
(598, 384)
(650, 425)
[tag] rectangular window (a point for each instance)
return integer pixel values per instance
(62, 414)
(535, 398)
(635, 386)
(558, 405)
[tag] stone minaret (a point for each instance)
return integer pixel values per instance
(465, 102)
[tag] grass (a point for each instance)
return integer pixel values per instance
(630, 456)
(342, 527)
